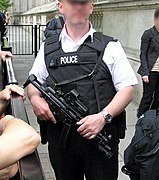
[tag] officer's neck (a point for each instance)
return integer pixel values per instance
(76, 32)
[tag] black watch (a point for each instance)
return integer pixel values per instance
(107, 117)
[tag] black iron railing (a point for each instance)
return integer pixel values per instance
(25, 39)
(20, 38)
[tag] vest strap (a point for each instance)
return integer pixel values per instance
(104, 44)
(74, 79)
(104, 40)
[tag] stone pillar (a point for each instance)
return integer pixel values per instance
(28, 19)
(43, 19)
(34, 20)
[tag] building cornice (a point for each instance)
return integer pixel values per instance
(125, 5)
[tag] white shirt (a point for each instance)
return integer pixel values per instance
(114, 57)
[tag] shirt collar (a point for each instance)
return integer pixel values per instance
(89, 33)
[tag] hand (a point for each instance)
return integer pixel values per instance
(41, 109)
(4, 121)
(91, 125)
(145, 79)
(5, 95)
(4, 54)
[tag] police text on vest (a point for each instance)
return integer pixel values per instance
(69, 59)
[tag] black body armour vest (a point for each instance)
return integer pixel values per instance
(83, 70)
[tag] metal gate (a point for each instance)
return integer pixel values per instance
(25, 39)
(41, 35)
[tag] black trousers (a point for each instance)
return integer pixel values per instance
(81, 157)
(150, 99)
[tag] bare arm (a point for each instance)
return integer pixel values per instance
(145, 42)
(120, 101)
(18, 139)
(91, 125)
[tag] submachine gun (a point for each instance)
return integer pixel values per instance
(71, 109)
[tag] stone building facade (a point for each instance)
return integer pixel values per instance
(21, 6)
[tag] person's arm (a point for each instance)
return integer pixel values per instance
(144, 70)
(4, 54)
(17, 140)
(5, 96)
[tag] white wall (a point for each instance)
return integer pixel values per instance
(128, 25)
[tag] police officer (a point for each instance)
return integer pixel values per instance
(63, 62)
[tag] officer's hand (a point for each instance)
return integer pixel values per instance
(91, 125)
(5, 95)
(4, 54)
(145, 79)
(41, 109)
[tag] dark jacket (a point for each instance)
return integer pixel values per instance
(149, 50)
(142, 155)
(54, 26)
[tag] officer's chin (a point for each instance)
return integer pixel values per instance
(79, 22)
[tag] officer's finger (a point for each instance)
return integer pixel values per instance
(81, 128)
(92, 136)
(87, 135)
(84, 132)
(81, 121)
(42, 118)
(45, 117)
(51, 116)
(41, 115)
